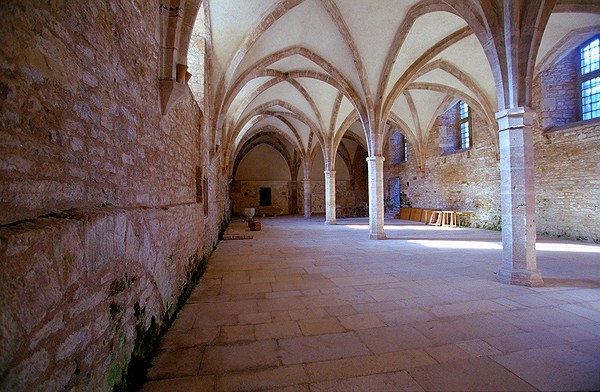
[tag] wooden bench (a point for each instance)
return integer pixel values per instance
(405, 213)
(426, 215)
(415, 214)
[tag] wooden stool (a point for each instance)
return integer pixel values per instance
(463, 218)
(425, 216)
(435, 218)
(448, 219)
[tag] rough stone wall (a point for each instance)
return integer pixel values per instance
(567, 168)
(468, 180)
(218, 209)
(80, 119)
(449, 138)
(245, 194)
(567, 157)
(80, 289)
(556, 93)
(360, 175)
(344, 195)
(106, 186)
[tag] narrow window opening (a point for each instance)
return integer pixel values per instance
(205, 195)
(199, 198)
(464, 121)
(265, 197)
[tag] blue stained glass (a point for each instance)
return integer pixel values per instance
(590, 57)
(464, 110)
(590, 98)
(464, 135)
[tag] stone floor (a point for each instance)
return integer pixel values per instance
(308, 307)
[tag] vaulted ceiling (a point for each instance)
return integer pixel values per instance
(312, 70)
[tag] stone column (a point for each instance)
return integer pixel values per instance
(376, 200)
(307, 191)
(330, 197)
(517, 191)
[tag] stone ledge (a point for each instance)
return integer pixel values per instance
(572, 126)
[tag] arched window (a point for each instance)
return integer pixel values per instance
(196, 57)
(589, 79)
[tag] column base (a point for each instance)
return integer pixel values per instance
(330, 222)
(377, 236)
(531, 278)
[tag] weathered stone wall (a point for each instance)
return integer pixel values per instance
(556, 93)
(245, 194)
(106, 186)
(468, 180)
(81, 123)
(344, 195)
(567, 157)
(80, 289)
(567, 168)
(360, 176)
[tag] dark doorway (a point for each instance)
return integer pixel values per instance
(265, 197)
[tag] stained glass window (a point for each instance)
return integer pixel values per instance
(464, 117)
(590, 79)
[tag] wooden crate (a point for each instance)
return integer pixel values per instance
(254, 225)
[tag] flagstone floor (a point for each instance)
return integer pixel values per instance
(304, 306)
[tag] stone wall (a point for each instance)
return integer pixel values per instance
(360, 176)
(344, 195)
(245, 194)
(81, 124)
(567, 157)
(82, 289)
(101, 228)
(467, 180)
(567, 168)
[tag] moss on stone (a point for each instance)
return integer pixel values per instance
(148, 338)
(119, 285)
(115, 309)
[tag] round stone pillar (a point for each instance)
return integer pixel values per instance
(307, 191)
(330, 218)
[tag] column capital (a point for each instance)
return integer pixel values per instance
(514, 118)
(329, 172)
(375, 159)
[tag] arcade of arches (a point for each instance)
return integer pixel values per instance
(131, 132)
